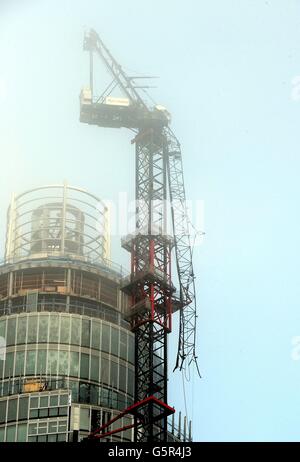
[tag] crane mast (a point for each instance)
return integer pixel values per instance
(149, 287)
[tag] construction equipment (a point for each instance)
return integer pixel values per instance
(158, 177)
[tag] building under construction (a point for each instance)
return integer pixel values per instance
(67, 357)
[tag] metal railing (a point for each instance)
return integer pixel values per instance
(105, 265)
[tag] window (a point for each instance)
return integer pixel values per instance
(52, 427)
(105, 337)
(51, 439)
(84, 392)
(84, 419)
(12, 410)
(41, 362)
(43, 328)
(63, 400)
(130, 389)
(32, 329)
(22, 433)
(44, 401)
(9, 365)
(85, 333)
(32, 429)
(63, 411)
(121, 404)
(52, 362)
(54, 400)
(123, 345)
(114, 341)
(131, 349)
(84, 366)
(114, 374)
(61, 437)
(32, 301)
(74, 386)
(96, 335)
(76, 328)
(30, 362)
(93, 394)
(34, 413)
(65, 329)
(54, 328)
(63, 367)
(42, 428)
(23, 408)
(20, 360)
(2, 430)
(42, 439)
(62, 426)
(22, 325)
(3, 411)
(122, 378)
(104, 370)
(53, 412)
(10, 433)
(11, 331)
(74, 364)
(94, 368)
(105, 397)
(114, 399)
(2, 328)
(43, 412)
(34, 402)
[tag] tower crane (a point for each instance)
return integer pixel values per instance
(152, 295)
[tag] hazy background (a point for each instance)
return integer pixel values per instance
(226, 70)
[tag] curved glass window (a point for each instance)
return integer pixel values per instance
(122, 378)
(54, 329)
(76, 329)
(85, 332)
(84, 366)
(20, 363)
(123, 345)
(55, 346)
(32, 329)
(43, 328)
(52, 362)
(65, 329)
(11, 331)
(114, 341)
(95, 368)
(105, 338)
(30, 362)
(114, 374)
(74, 364)
(63, 367)
(9, 364)
(96, 335)
(41, 362)
(22, 327)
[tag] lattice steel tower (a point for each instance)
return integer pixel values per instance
(158, 176)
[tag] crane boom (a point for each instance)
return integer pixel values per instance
(183, 251)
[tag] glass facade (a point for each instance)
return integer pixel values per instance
(88, 353)
(68, 352)
(35, 417)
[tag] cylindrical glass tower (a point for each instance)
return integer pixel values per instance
(67, 366)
